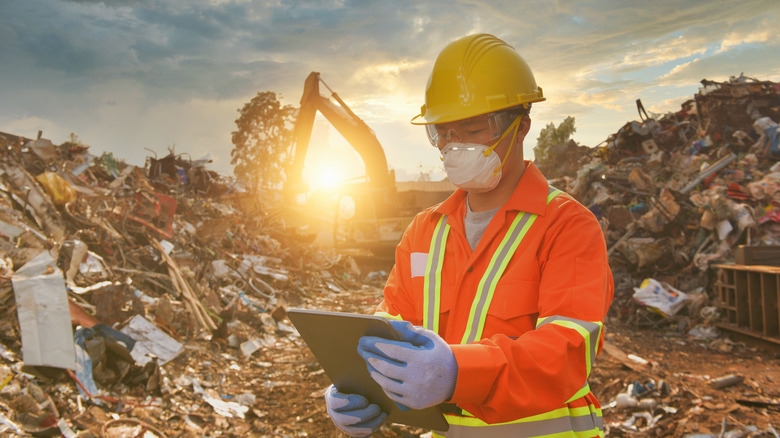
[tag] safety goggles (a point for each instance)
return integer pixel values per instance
(480, 129)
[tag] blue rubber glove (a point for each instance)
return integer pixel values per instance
(352, 413)
(418, 372)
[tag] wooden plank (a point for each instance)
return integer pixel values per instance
(750, 333)
(768, 255)
(754, 268)
(754, 288)
(770, 296)
(742, 304)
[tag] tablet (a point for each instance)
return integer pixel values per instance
(333, 338)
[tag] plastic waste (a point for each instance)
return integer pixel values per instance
(60, 191)
(660, 297)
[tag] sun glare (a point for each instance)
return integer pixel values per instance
(323, 178)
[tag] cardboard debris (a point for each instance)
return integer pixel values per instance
(44, 314)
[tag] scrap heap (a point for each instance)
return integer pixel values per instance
(680, 192)
(145, 264)
(176, 282)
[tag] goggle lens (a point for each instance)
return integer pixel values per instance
(497, 123)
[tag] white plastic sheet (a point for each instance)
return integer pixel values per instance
(44, 314)
(150, 339)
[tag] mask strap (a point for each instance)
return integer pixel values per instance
(515, 126)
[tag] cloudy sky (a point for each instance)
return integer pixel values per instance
(134, 76)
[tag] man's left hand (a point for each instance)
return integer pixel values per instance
(418, 371)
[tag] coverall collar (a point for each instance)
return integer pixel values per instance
(530, 195)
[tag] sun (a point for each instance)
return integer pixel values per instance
(324, 178)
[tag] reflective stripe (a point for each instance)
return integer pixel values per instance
(552, 192)
(582, 422)
(590, 332)
(581, 393)
(432, 286)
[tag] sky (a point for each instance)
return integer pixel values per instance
(140, 78)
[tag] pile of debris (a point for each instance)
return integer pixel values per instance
(176, 281)
(680, 192)
(145, 263)
(678, 195)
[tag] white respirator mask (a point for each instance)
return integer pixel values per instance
(475, 167)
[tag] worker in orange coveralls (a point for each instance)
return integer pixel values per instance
(499, 293)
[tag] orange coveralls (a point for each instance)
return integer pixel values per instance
(560, 269)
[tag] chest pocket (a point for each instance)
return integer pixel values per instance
(514, 308)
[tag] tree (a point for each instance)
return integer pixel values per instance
(262, 141)
(551, 136)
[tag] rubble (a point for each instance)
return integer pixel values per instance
(680, 192)
(679, 196)
(165, 267)
(177, 281)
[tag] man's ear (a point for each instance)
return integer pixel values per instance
(525, 126)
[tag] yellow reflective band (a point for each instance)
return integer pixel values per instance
(489, 281)
(553, 193)
(432, 281)
(581, 393)
(498, 263)
(388, 316)
(585, 421)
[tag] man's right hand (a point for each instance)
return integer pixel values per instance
(353, 414)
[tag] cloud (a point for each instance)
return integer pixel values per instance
(668, 105)
(751, 60)
(153, 72)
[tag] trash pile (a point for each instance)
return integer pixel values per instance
(145, 264)
(176, 281)
(678, 192)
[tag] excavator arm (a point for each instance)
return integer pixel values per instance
(351, 127)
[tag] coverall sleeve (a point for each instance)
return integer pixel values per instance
(501, 379)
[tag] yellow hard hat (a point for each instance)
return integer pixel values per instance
(476, 74)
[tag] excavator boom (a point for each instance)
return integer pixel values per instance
(350, 126)
(379, 212)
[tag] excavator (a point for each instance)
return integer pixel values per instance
(368, 216)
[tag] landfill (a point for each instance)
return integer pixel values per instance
(151, 301)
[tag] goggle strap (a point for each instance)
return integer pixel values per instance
(512, 127)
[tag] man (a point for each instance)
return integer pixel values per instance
(499, 293)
